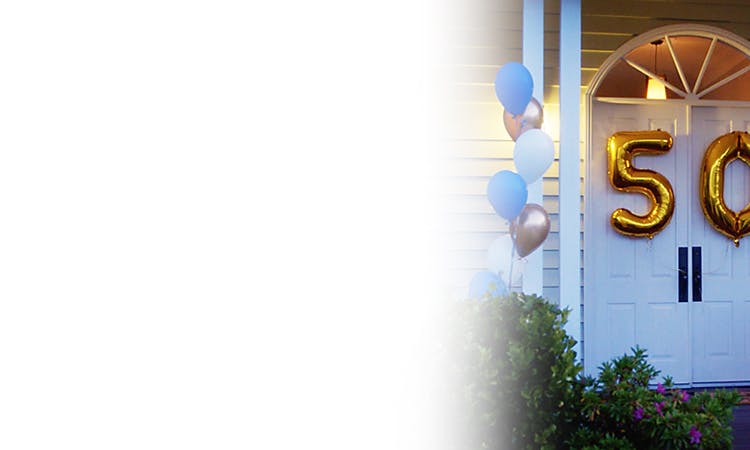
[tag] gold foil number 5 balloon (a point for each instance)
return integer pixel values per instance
(722, 151)
(621, 148)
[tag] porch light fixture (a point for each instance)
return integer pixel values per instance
(655, 90)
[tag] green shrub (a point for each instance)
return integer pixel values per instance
(619, 411)
(516, 385)
(517, 371)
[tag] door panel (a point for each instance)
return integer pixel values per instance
(720, 324)
(632, 295)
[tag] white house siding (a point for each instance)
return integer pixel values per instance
(481, 36)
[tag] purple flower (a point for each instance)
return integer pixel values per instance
(695, 435)
(685, 396)
(658, 407)
(660, 389)
(638, 413)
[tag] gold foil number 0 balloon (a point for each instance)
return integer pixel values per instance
(621, 148)
(722, 151)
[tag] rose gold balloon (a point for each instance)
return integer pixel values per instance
(532, 117)
(530, 229)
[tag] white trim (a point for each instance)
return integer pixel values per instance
(677, 65)
(570, 166)
(726, 80)
(588, 328)
(706, 61)
(533, 59)
(686, 101)
(650, 74)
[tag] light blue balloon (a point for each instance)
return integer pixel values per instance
(507, 193)
(484, 283)
(514, 87)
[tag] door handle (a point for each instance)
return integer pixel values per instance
(697, 275)
(682, 279)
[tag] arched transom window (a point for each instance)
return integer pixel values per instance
(691, 65)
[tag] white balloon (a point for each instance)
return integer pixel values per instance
(499, 255)
(533, 154)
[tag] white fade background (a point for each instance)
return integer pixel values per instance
(217, 224)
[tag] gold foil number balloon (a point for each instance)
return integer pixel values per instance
(621, 148)
(722, 151)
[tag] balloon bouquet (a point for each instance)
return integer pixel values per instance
(507, 191)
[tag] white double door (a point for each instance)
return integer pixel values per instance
(698, 331)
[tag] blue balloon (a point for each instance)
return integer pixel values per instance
(514, 87)
(484, 283)
(507, 193)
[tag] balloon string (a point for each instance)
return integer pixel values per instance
(716, 270)
(510, 272)
(659, 262)
(722, 261)
(512, 252)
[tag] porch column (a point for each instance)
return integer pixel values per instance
(533, 59)
(570, 158)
